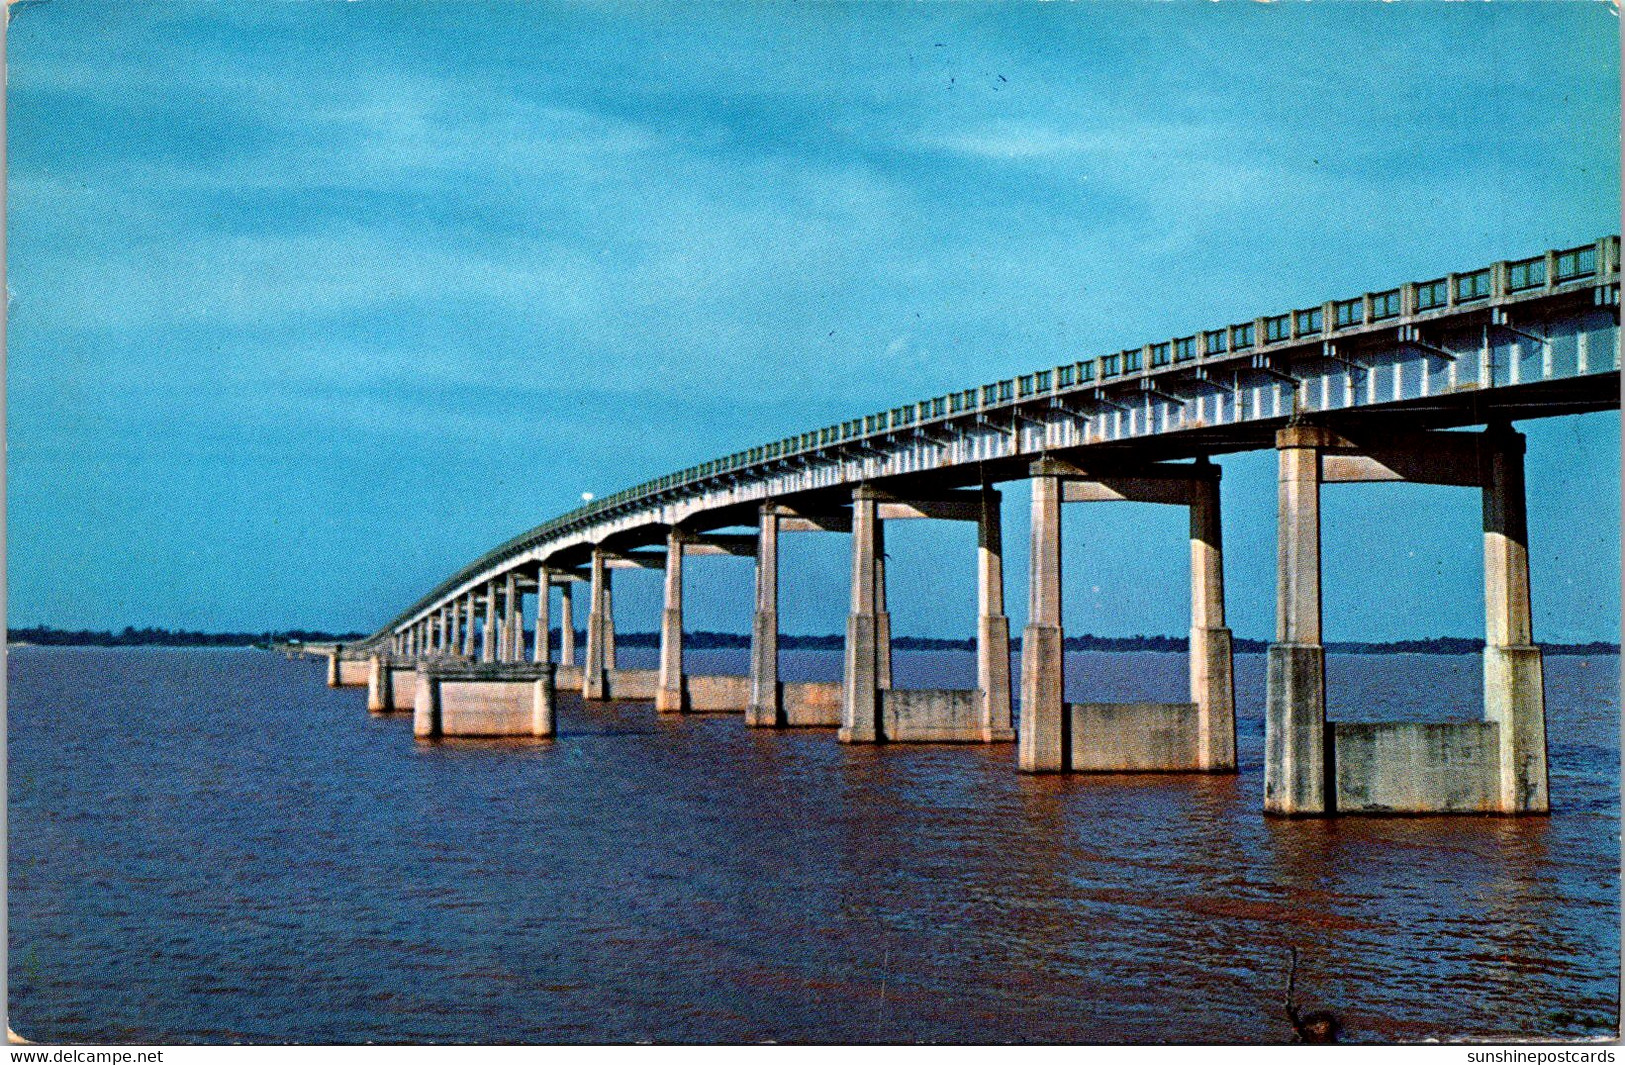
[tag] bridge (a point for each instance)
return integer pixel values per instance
(1371, 388)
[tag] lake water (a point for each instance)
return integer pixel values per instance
(213, 846)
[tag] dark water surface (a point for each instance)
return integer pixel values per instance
(211, 845)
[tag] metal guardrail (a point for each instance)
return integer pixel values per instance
(1548, 272)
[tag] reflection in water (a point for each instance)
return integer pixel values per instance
(213, 846)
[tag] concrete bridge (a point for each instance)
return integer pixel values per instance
(1359, 389)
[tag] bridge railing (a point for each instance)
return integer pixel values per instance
(1420, 300)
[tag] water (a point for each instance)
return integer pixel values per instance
(211, 846)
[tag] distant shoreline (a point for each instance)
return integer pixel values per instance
(44, 636)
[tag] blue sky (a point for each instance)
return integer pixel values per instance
(313, 302)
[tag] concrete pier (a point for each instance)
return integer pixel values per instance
(513, 627)
(774, 703)
(391, 684)
(1194, 736)
(992, 626)
(669, 698)
(860, 704)
(1295, 763)
(567, 624)
(542, 638)
(1514, 687)
(488, 637)
(1044, 737)
(882, 615)
(468, 626)
(766, 697)
(347, 668)
(1212, 659)
(979, 715)
(1314, 767)
(483, 700)
(378, 686)
(608, 618)
(600, 630)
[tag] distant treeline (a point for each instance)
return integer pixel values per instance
(704, 641)
(149, 637)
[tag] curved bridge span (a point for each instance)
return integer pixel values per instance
(1354, 389)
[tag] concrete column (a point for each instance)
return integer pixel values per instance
(1295, 756)
(504, 593)
(542, 646)
(669, 695)
(992, 627)
(454, 615)
(567, 624)
(499, 639)
(765, 708)
(468, 625)
(860, 701)
(1044, 737)
(593, 683)
(514, 630)
(379, 696)
(882, 615)
(488, 638)
(1514, 687)
(609, 619)
(1213, 686)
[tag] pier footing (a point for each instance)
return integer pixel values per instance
(486, 699)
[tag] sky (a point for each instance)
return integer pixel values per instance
(312, 303)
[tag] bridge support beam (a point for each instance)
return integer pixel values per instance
(669, 694)
(1212, 659)
(488, 636)
(882, 614)
(1514, 688)
(600, 630)
(860, 702)
(567, 625)
(541, 650)
(766, 706)
(513, 619)
(992, 626)
(1044, 739)
(1296, 765)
